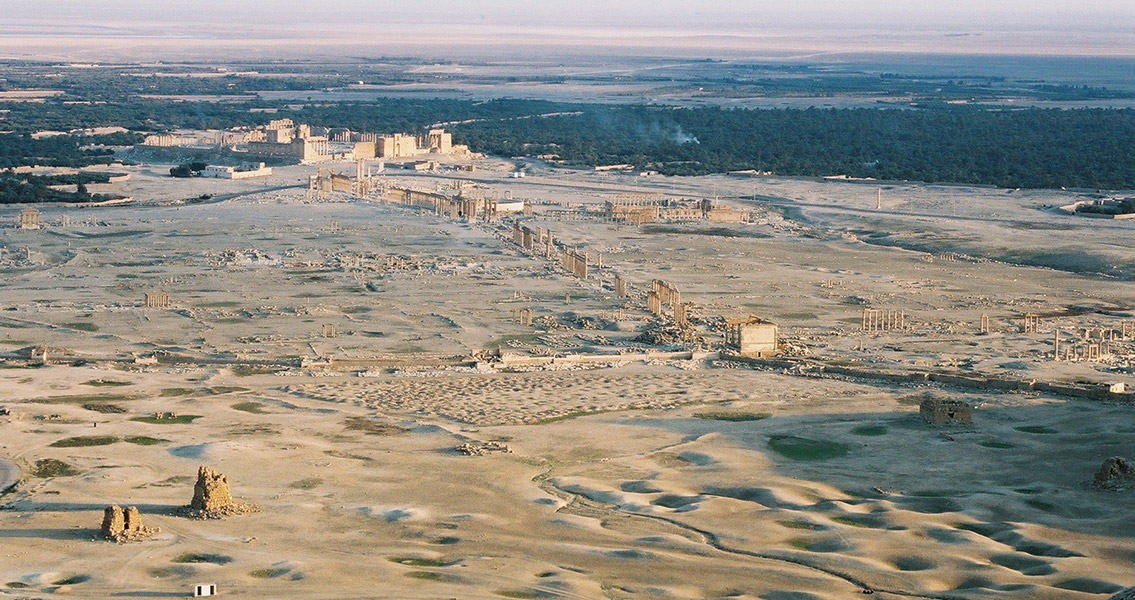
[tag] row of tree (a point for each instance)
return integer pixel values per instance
(1035, 148)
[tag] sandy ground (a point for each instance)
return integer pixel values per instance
(668, 479)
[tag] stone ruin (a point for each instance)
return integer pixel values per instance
(125, 526)
(472, 449)
(1114, 474)
(212, 498)
(937, 411)
(211, 492)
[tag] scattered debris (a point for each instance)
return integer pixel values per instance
(478, 449)
(1114, 474)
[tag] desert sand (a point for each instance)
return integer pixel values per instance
(689, 477)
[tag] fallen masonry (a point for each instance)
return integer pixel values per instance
(1115, 473)
(472, 449)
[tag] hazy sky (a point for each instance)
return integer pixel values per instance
(503, 29)
(713, 15)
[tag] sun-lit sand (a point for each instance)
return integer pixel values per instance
(662, 478)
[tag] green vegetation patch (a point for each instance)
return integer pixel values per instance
(220, 303)
(802, 525)
(16, 585)
(144, 440)
(871, 430)
(248, 371)
(267, 573)
(174, 392)
(849, 521)
(193, 557)
(735, 417)
(306, 484)
(88, 399)
(523, 594)
(996, 444)
(1036, 429)
(445, 540)
(84, 441)
(226, 389)
(109, 409)
(170, 572)
(255, 408)
(105, 382)
(800, 448)
(50, 467)
(371, 427)
(433, 576)
(564, 417)
(413, 561)
(81, 326)
(799, 543)
(174, 420)
(72, 580)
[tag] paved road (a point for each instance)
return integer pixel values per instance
(9, 475)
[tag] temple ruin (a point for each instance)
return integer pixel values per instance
(156, 299)
(937, 411)
(752, 337)
(29, 218)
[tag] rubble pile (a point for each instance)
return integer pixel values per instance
(1114, 474)
(478, 449)
(668, 333)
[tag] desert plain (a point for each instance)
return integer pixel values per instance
(330, 356)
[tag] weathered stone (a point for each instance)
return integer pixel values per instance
(133, 519)
(113, 522)
(211, 492)
(1114, 473)
(941, 410)
(212, 498)
(124, 526)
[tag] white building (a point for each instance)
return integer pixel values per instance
(245, 172)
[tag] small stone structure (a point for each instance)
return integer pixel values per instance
(211, 492)
(474, 449)
(124, 526)
(1115, 473)
(29, 218)
(156, 299)
(941, 410)
(752, 337)
(212, 497)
